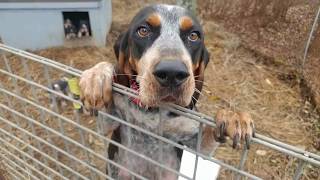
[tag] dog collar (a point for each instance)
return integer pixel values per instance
(135, 86)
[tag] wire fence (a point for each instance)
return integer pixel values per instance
(41, 139)
(313, 29)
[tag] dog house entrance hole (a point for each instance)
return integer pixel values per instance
(76, 25)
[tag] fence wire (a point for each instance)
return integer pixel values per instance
(42, 139)
(313, 29)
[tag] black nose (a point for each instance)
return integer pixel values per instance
(171, 73)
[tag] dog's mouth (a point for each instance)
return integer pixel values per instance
(164, 95)
(168, 98)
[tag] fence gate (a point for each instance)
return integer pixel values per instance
(39, 141)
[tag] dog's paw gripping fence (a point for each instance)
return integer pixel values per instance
(41, 142)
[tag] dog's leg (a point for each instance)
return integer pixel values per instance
(237, 125)
(79, 34)
(96, 86)
(96, 91)
(87, 33)
(96, 94)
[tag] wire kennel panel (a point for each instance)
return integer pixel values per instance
(41, 139)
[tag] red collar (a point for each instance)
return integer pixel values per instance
(135, 86)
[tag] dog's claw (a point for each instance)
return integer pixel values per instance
(253, 129)
(248, 140)
(93, 112)
(239, 126)
(222, 129)
(221, 132)
(236, 141)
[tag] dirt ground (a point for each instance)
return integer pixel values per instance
(240, 78)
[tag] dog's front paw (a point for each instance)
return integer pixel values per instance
(237, 125)
(96, 87)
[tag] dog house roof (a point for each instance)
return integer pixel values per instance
(43, 1)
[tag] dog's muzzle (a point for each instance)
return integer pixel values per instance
(171, 73)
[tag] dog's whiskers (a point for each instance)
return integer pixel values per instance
(204, 83)
(195, 99)
(198, 91)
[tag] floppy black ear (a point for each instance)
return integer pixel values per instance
(120, 44)
(199, 75)
(121, 50)
(205, 57)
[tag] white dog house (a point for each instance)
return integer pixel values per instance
(38, 24)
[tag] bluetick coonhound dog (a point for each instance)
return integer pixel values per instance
(163, 57)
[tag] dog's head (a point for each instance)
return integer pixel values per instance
(163, 50)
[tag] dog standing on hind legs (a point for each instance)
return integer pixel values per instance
(163, 57)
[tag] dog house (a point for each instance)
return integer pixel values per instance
(38, 24)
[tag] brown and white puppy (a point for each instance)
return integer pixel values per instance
(69, 29)
(162, 55)
(83, 31)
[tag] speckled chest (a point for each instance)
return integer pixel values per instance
(158, 122)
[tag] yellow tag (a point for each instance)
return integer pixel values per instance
(76, 106)
(74, 86)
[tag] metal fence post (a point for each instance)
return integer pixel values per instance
(314, 27)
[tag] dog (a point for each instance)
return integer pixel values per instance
(60, 86)
(162, 56)
(68, 87)
(69, 29)
(83, 30)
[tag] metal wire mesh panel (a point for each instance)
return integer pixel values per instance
(44, 136)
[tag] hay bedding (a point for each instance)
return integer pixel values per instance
(234, 79)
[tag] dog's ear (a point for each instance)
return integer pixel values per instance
(199, 75)
(121, 50)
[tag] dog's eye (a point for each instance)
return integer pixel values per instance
(143, 31)
(194, 36)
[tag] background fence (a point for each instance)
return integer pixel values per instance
(41, 142)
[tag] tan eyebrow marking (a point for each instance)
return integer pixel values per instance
(154, 19)
(185, 23)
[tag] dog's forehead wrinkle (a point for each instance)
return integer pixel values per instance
(167, 9)
(170, 15)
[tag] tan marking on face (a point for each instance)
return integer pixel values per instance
(133, 64)
(126, 66)
(123, 70)
(195, 67)
(148, 89)
(121, 61)
(154, 20)
(202, 66)
(185, 23)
